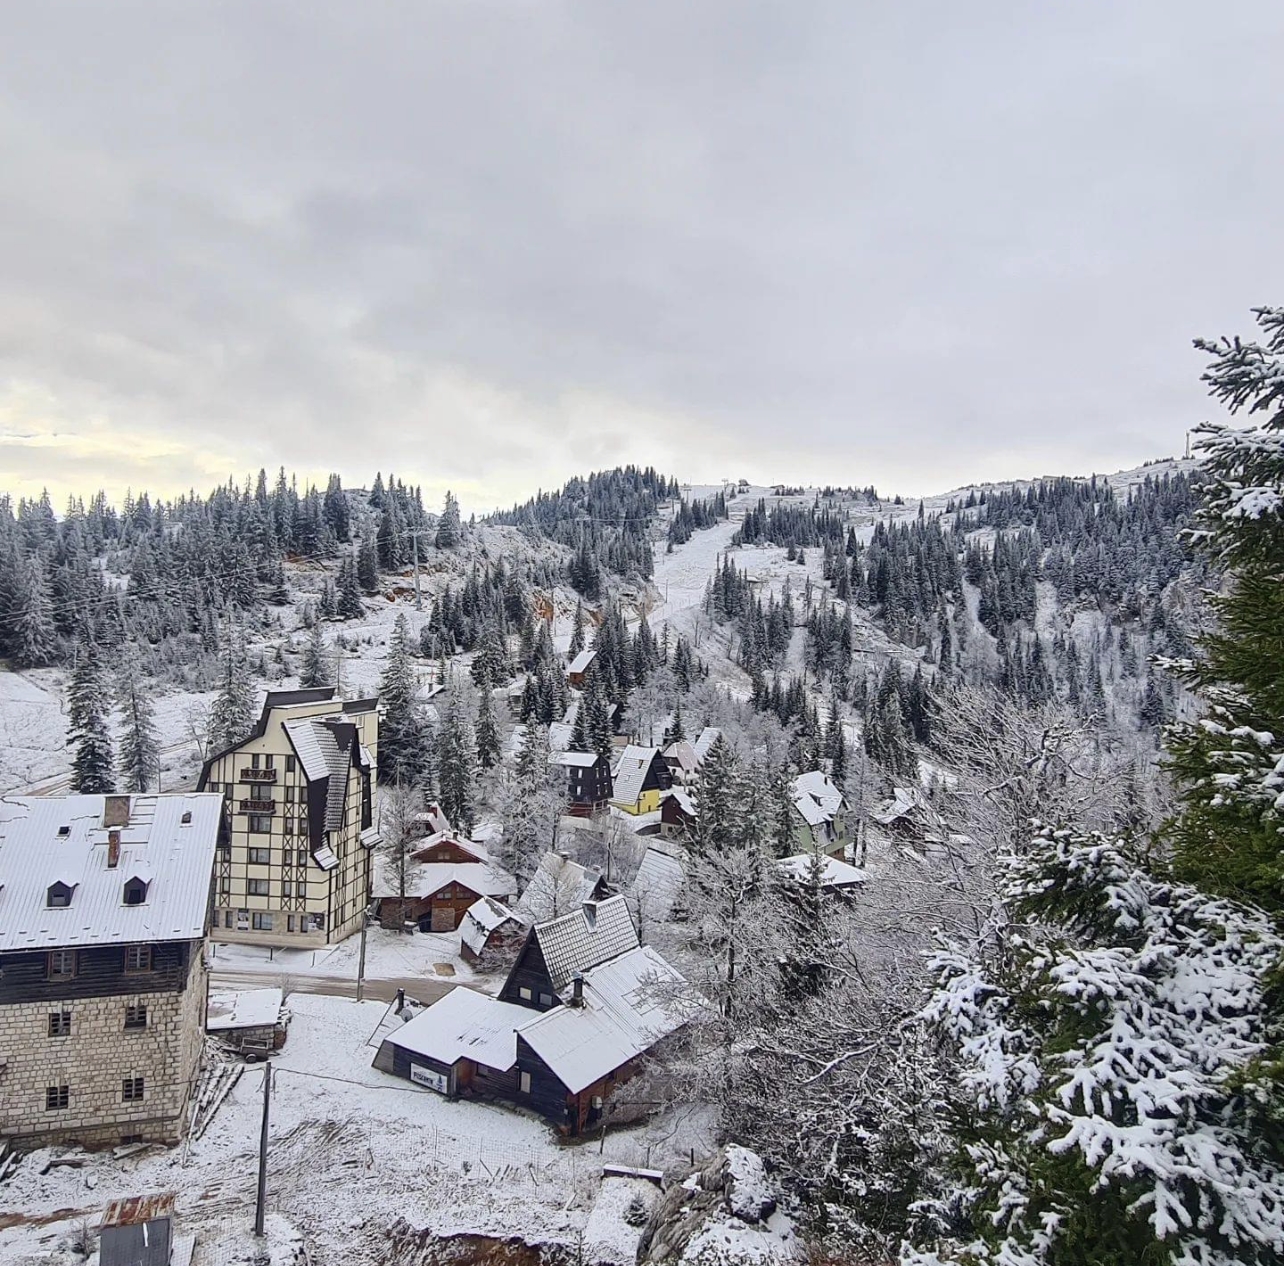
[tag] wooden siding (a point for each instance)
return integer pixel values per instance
(467, 1078)
(100, 972)
(529, 972)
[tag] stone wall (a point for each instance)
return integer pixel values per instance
(94, 1059)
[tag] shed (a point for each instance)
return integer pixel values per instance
(490, 934)
(251, 1021)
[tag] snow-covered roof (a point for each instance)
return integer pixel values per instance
(481, 919)
(684, 800)
(630, 1003)
(629, 772)
(559, 736)
(584, 760)
(425, 878)
(321, 756)
(656, 886)
(465, 1025)
(558, 884)
(172, 838)
(325, 857)
(581, 662)
(836, 874)
(904, 801)
(247, 1009)
(683, 755)
(590, 934)
(816, 797)
(434, 818)
(708, 737)
(474, 849)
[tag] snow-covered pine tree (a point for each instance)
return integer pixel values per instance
(405, 752)
(140, 764)
(533, 800)
(577, 629)
(1229, 837)
(487, 729)
(314, 669)
(458, 773)
(1114, 1107)
(34, 637)
(232, 712)
(91, 767)
(449, 532)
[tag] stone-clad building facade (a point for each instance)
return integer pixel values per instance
(299, 791)
(104, 907)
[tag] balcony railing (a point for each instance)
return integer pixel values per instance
(258, 806)
(258, 775)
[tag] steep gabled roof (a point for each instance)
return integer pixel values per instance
(596, 931)
(630, 772)
(155, 840)
(708, 737)
(630, 1003)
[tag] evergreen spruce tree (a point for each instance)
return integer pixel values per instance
(449, 532)
(348, 598)
(1229, 835)
(232, 712)
(404, 733)
(366, 572)
(534, 799)
(597, 713)
(34, 636)
(488, 744)
(458, 772)
(314, 670)
(577, 629)
(91, 767)
(140, 765)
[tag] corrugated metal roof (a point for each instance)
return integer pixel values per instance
(587, 936)
(33, 855)
(558, 884)
(708, 737)
(630, 1003)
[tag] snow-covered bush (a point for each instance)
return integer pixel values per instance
(1114, 1106)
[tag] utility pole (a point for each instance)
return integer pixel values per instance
(361, 956)
(261, 1199)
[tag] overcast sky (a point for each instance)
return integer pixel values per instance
(489, 246)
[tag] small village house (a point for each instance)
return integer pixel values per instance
(249, 1021)
(836, 876)
(104, 911)
(640, 777)
(820, 814)
(581, 1009)
(490, 935)
(299, 789)
(577, 670)
(442, 878)
(678, 815)
(588, 781)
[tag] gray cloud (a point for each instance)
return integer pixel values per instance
(487, 244)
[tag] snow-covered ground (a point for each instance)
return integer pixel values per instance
(350, 1150)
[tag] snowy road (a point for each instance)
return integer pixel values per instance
(422, 988)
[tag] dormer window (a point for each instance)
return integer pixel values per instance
(59, 896)
(135, 891)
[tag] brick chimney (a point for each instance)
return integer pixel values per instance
(115, 811)
(113, 849)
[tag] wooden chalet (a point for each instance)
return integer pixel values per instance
(678, 815)
(640, 778)
(582, 1006)
(577, 670)
(588, 781)
(443, 879)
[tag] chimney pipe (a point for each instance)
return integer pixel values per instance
(113, 849)
(577, 990)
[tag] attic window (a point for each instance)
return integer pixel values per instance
(187, 817)
(135, 892)
(58, 896)
(64, 830)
